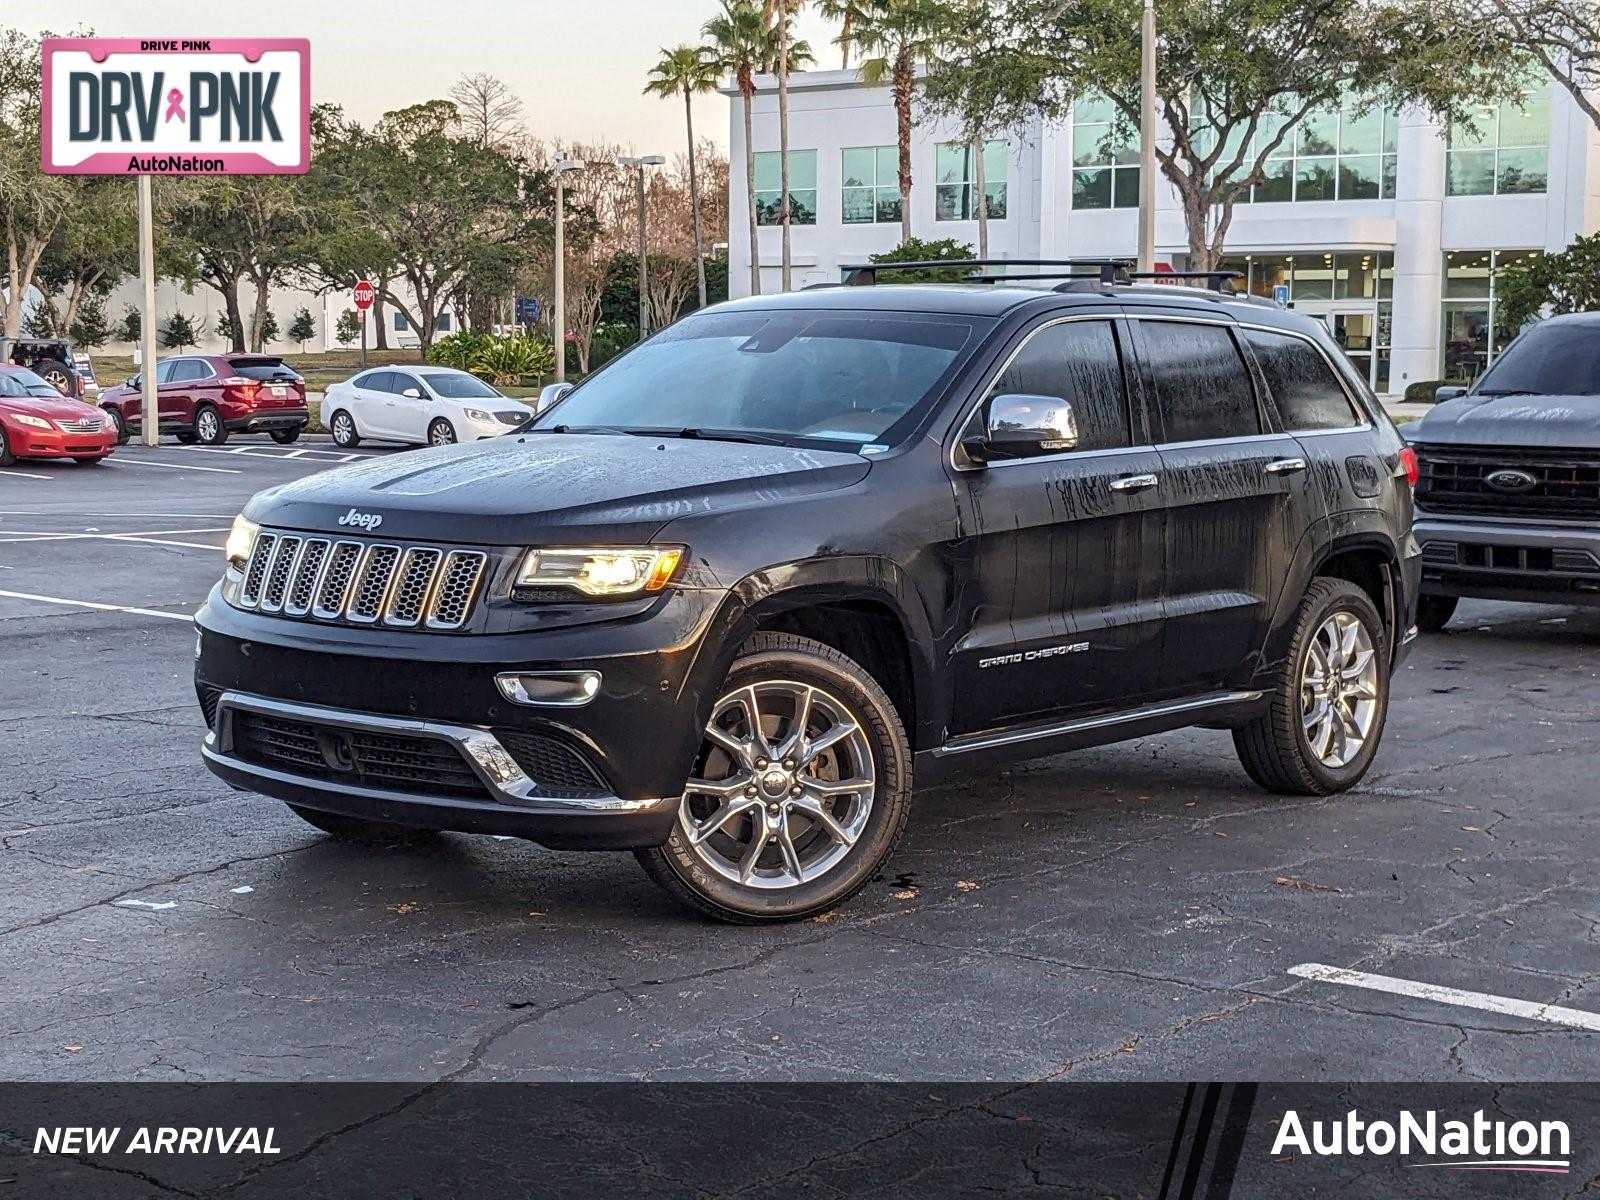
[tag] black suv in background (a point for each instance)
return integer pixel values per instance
(730, 596)
(1509, 496)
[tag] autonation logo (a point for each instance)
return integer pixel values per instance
(1478, 1144)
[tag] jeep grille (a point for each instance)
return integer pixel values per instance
(361, 583)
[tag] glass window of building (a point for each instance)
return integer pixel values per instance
(955, 190)
(1105, 156)
(1470, 338)
(802, 187)
(1501, 149)
(870, 179)
(1343, 153)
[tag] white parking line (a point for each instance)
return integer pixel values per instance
(1554, 1014)
(121, 608)
(182, 516)
(141, 462)
(10, 474)
(151, 539)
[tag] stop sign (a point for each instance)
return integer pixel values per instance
(364, 294)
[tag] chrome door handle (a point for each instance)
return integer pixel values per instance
(1134, 483)
(1285, 466)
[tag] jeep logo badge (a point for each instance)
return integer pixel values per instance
(1509, 479)
(361, 520)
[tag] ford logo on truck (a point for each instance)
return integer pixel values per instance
(1511, 480)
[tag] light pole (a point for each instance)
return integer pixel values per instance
(562, 166)
(639, 164)
(1147, 138)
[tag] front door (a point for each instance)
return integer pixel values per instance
(409, 414)
(1063, 613)
(1238, 495)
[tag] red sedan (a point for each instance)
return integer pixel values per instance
(37, 421)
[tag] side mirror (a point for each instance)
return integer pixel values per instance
(1019, 425)
(1441, 394)
(549, 395)
(412, 393)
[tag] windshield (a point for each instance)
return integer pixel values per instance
(856, 378)
(262, 368)
(459, 387)
(26, 383)
(1547, 360)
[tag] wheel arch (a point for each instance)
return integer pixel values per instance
(867, 609)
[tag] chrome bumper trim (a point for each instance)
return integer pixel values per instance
(506, 782)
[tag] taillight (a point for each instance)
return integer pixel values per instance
(1408, 460)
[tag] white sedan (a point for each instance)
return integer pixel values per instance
(435, 406)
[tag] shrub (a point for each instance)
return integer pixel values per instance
(458, 350)
(506, 360)
(1422, 391)
(918, 250)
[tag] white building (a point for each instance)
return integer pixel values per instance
(1387, 225)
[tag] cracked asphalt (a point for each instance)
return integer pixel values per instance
(1125, 913)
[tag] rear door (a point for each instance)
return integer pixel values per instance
(1063, 610)
(1237, 496)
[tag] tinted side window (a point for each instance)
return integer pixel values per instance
(399, 382)
(185, 372)
(1307, 392)
(164, 371)
(1076, 361)
(1202, 387)
(370, 380)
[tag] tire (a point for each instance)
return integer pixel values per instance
(118, 423)
(1277, 748)
(706, 876)
(354, 829)
(441, 433)
(208, 427)
(285, 437)
(6, 457)
(57, 374)
(343, 428)
(1434, 612)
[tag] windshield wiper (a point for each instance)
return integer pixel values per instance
(694, 433)
(575, 429)
(1507, 392)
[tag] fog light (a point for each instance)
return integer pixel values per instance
(556, 689)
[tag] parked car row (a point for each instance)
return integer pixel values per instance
(205, 398)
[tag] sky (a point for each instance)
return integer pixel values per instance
(578, 66)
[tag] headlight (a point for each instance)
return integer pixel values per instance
(29, 419)
(611, 571)
(476, 414)
(241, 542)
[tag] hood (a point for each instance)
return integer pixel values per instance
(565, 488)
(58, 409)
(1567, 422)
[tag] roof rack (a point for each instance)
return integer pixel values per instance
(1217, 281)
(1110, 270)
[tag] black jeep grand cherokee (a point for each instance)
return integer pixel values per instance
(725, 600)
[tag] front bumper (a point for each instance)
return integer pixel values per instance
(28, 442)
(512, 768)
(1509, 560)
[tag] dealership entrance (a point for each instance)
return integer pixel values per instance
(1350, 291)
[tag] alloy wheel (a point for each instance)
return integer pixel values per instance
(206, 425)
(1339, 689)
(783, 785)
(441, 434)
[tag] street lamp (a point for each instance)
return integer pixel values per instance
(638, 165)
(562, 166)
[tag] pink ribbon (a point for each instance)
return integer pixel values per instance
(175, 105)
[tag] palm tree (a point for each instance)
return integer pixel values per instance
(687, 70)
(847, 13)
(739, 46)
(778, 15)
(900, 35)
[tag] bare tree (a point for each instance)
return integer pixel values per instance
(1564, 35)
(489, 112)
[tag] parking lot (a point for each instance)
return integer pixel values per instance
(1140, 911)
